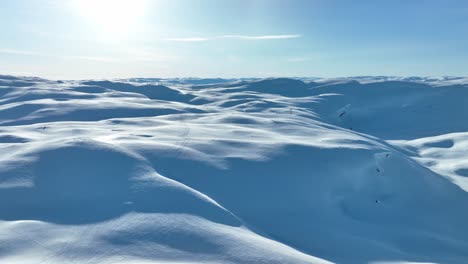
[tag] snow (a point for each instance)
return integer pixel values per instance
(304, 170)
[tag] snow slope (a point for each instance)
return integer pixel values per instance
(351, 170)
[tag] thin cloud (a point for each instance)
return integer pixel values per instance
(265, 37)
(39, 54)
(21, 52)
(149, 57)
(187, 39)
(299, 59)
(241, 37)
(104, 59)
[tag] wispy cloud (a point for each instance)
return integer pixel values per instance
(298, 59)
(241, 37)
(20, 52)
(104, 59)
(265, 37)
(132, 56)
(39, 54)
(187, 39)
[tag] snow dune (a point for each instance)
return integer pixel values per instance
(352, 170)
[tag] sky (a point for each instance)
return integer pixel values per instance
(85, 39)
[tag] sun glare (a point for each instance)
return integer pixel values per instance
(117, 17)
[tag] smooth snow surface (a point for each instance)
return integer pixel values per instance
(350, 170)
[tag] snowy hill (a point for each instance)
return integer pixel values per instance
(349, 170)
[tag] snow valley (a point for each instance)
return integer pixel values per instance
(349, 170)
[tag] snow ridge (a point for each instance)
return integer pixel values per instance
(280, 170)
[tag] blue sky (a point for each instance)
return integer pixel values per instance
(78, 39)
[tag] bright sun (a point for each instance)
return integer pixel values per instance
(112, 16)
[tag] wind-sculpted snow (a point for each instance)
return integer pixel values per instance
(363, 170)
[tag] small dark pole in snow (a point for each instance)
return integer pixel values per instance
(342, 113)
(388, 154)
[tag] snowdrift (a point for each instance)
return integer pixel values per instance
(363, 170)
